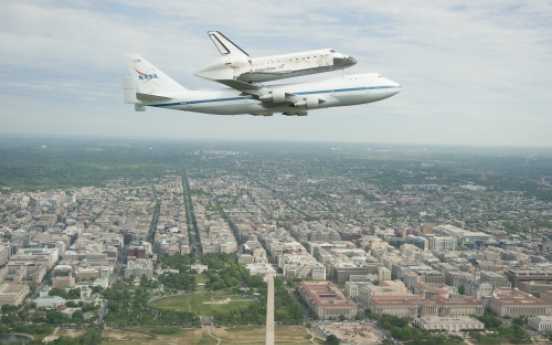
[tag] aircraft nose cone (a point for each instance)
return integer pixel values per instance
(391, 88)
(395, 90)
(345, 61)
(398, 89)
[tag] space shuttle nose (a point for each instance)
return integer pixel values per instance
(344, 61)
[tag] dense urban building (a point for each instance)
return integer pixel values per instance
(450, 324)
(326, 300)
(399, 237)
(13, 294)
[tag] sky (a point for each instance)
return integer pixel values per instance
(473, 73)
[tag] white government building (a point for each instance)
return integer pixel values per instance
(451, 324)
(540, 323)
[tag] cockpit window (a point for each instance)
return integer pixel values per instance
(332, 51)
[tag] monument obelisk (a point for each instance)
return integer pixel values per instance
(270, 311)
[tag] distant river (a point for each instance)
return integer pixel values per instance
(13, 338)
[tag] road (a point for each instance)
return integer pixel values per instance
(190, 217)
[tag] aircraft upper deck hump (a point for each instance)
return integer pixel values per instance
(224, 45)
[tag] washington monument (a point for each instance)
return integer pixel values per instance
(270, 311)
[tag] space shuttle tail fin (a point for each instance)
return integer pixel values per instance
(225, 46)
(148, 79)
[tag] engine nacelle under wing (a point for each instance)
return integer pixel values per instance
(274, 97)
(310, 103)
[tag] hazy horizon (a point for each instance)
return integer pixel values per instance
(117, 140)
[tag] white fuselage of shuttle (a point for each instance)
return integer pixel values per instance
(236, 65)
(246, 69)
(268, 68)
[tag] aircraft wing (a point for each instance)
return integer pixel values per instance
(267, 95)
(250, 89)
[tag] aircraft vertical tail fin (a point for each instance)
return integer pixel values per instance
(225, 46)
(148, 79)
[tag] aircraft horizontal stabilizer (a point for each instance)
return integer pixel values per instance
(151, 98)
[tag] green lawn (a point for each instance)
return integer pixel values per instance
(182, 337)
(263, 342)
(197, 303)
(200, 279)
(254, 335)
(285, 335)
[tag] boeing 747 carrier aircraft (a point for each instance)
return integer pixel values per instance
(148, 86)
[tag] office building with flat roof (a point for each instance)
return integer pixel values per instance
(13, 294)
(447, 323)
(325, 299)
(512, 302)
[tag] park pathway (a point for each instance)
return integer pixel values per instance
(313, 336)
(51, 337)
(211, 334)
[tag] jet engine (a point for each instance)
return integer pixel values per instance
(312, 102)
(274, 97)
(309, 103)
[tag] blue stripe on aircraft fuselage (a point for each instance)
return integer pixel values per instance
(347, 90)
(202, 101)
(214, 100)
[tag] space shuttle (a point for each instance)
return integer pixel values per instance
(237, 66)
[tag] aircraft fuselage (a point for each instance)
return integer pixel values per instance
(342, 91)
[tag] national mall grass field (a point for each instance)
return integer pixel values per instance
(203, 305)
(252, 335)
